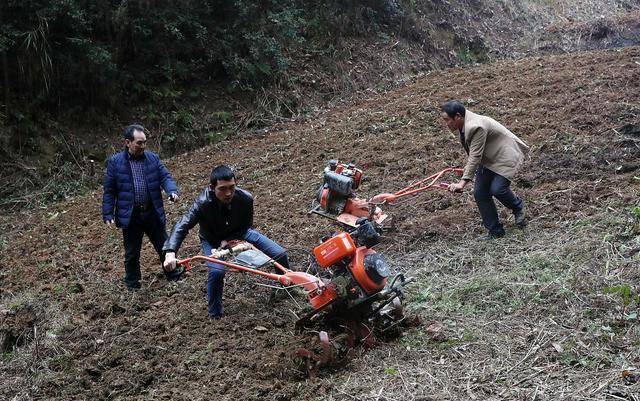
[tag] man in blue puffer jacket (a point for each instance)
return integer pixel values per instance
(132, 200)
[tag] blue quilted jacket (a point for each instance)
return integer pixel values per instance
(118, 196)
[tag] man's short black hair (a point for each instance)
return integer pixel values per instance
(221, 172)
(128, 132)
(453, 107)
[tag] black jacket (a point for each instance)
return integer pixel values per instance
(217, 221)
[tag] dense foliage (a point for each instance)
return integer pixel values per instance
(85, 60)
(100, 53)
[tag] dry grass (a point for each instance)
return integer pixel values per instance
(539, 315)
(35, 350)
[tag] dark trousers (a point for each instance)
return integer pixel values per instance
(142, 222)
(487, 186)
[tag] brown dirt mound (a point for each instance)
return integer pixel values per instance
(102, 342)
(602, 33)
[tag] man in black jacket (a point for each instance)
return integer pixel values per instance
(224, 213)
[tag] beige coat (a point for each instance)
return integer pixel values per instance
(492, 145)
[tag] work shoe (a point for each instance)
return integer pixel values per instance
(214, 318)
(520, 218)
(174, 275)
(276, 295)
(133, 286)
(492, 236)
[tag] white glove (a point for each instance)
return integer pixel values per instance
(170, 261)
(173, 197)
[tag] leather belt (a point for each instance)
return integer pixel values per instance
(142, 208)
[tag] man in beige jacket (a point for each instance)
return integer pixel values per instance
(494, 156)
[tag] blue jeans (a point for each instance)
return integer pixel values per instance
(488, 185)
(215, 279)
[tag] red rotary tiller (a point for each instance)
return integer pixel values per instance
(351, 287)
(337, 200)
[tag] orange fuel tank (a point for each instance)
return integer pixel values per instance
(334, 249)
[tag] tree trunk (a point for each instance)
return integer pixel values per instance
(5, 68)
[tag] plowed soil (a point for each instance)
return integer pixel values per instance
(71, 331)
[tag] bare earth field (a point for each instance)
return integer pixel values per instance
(547, 313)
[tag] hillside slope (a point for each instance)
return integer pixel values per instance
(292, 59)
(549, 313)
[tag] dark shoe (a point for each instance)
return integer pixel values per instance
(492, 236)
(521, 220)
(277, 295)
(213, 318)
(133, 287)
(174, 275)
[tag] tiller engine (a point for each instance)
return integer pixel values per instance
(336, 196)
(337, 200)
(368, 298)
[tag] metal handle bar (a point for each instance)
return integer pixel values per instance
(411, 189)
(276, 277)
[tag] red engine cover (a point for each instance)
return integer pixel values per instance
(360, 274)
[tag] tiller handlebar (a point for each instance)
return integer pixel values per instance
(319, 293)
(431, 182)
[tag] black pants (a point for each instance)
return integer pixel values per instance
(142, 222)
(487, 186)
